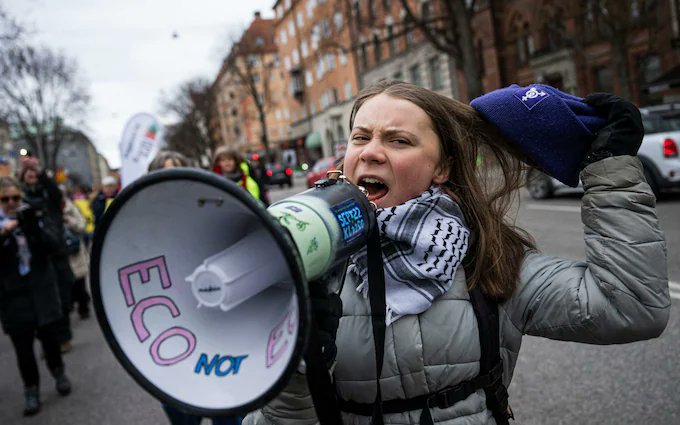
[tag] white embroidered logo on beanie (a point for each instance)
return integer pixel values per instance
(531, 97)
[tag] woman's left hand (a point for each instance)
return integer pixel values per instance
(624, 130)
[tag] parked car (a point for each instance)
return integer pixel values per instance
(276, 173)
(320, 167)
(658, 154)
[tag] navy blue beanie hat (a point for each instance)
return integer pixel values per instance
(554, 129)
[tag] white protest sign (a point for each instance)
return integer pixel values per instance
(141, 141)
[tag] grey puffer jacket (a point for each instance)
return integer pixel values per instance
(618, 295)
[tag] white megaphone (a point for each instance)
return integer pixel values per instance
(202, 293)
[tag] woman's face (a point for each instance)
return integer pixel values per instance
(10, 199)
(30, 177)
(393, 151)
(227, 164)
(170, 163)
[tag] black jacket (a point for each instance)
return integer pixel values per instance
(31, 300)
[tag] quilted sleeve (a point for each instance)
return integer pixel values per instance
(620, 292)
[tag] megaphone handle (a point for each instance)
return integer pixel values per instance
(319, 381)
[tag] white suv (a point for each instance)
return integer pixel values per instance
(658, 154)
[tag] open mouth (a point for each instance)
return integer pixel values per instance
(376, 188)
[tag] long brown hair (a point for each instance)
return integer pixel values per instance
(484, 175)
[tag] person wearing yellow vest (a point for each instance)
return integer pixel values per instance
(228, 163)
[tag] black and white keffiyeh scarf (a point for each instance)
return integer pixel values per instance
(424, 241)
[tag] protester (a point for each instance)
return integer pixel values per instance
(81, 200)
(76, 225)
(30, 304)
(103, 198)
(164, 160)
(42, 193)
(229, 164)
(446, 241)
(168, 159)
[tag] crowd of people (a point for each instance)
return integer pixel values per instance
(44, 263)
(46, 231)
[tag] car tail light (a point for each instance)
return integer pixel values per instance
(289, 171)
(269, 173)
(670, 148)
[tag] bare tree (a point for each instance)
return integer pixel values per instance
(10, 29)
(617, 22)
(193, 105)
(448, 28)
(40, 96)
(253, 62)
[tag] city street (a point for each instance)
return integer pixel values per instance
(554, 382)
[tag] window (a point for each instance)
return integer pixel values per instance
(300, 20)
(435, 73)
(336, 98)
(286, 63)
(291, 28)
(338, 20)
(256, 77)
(409, 36)
(286, 113)
(330, 61)
(356, 11)
(234, 112)
(377, 50)
(325, 28)
(296, 57)
(319, 69)
(372, 12)
(391, 40)
(277, 114)
(303, 47)
(310, 8)
(342, 57)
(259, 41)
(399, 76)
(348, 90)
(309, 79)
(283, 37)
(414, 73)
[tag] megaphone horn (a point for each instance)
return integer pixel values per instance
(202, 293)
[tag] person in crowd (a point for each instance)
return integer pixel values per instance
(415, 153)
(81, 199)
(30, 305)
(229, 164)
(168, 159)
(103, 198)
(42, 193)
(76, 226)
(164, 160)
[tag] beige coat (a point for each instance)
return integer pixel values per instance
(75, 222)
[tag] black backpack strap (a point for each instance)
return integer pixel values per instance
(376, 295)
(486, 312)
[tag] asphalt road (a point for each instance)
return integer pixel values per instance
(554, 382)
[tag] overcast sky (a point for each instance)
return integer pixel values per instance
(126, 51)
